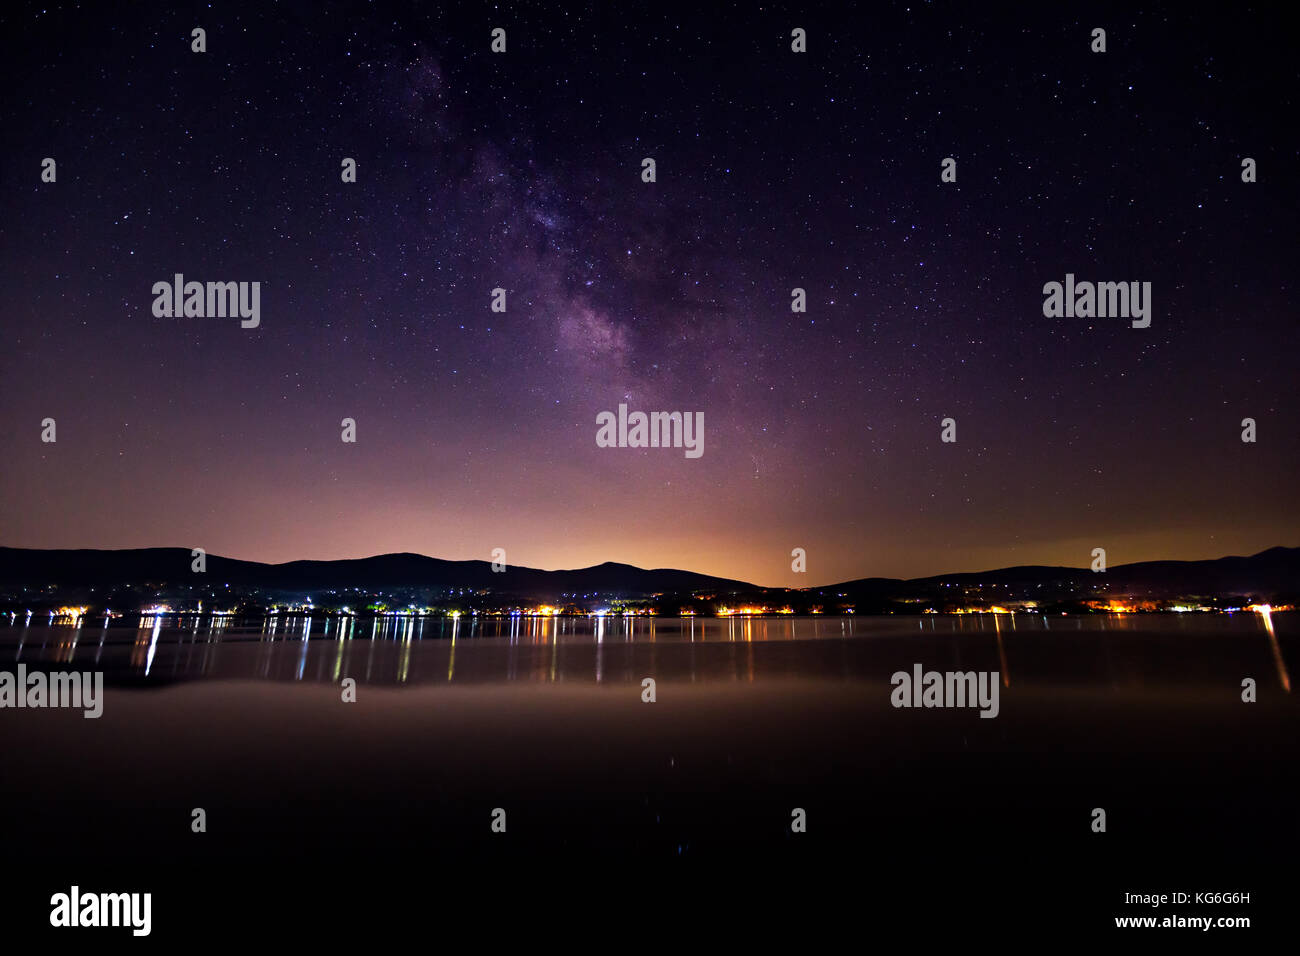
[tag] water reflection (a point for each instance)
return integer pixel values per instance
(1112, 651)
(1266, 615)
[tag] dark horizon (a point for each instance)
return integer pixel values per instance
(12, 559)
(674, 568)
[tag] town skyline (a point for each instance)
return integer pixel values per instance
(167, 580)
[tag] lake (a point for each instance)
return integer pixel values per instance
(910, 813)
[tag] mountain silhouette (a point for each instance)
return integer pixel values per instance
(1275, 570)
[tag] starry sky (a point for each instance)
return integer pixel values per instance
(775, 170)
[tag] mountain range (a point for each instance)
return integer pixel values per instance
(1274, 572)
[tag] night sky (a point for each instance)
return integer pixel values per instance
(775, 170)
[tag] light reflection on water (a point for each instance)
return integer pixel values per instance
(1266, 618)
(1114, 650)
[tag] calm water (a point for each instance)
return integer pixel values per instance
(1101, 652)
(324, 813)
